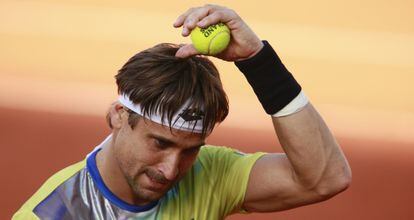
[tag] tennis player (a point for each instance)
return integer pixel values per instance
(156, 164)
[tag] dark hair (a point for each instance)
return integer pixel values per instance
(161, 83)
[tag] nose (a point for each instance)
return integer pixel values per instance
(170, 166)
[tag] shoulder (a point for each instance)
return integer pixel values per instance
(221, 159)
(24, 215)
(225, 174)
(211, 153)
(47, 188)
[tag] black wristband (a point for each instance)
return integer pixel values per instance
(273, 84)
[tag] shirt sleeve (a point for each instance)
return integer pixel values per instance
(25, 215)
(230, 171)
(26, 211)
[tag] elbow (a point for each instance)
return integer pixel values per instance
(339, 186)
(335, 185)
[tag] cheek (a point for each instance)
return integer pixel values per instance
(132, 155)
(127, 162)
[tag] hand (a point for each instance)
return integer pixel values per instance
(244, 43)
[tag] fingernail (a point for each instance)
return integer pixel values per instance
(175, 23)
(184, 32)
(179, 53)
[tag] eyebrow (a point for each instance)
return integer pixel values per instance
(166, 140)
(170, 142)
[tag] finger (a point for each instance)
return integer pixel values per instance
(216, 17)
(180, 20)
(196, 15)
(186, 51)
(193, 18)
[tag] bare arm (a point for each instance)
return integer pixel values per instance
(313, 167)
(312, 170)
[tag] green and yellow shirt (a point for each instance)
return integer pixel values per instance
(214, 187)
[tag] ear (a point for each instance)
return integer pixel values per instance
(116, 113)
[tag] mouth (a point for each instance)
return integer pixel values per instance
(154, 184)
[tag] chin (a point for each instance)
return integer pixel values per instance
(147, 190)
(149, 195)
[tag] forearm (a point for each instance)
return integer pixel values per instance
(315, 156)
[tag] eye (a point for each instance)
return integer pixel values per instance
(160, 144)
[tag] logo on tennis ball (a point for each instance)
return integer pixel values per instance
(211, 40)
(209, 30)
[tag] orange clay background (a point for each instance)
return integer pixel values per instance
(354, 59)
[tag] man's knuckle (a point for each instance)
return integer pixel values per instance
(222, 13)
(209, 5)
(231, 12)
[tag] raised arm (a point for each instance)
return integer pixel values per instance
(313, 167)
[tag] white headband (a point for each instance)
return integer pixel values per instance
(184, 119)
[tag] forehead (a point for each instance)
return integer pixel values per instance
(178, 136)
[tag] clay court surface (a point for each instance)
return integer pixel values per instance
(354, 59)
(37, 144)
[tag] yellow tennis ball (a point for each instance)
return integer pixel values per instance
(211, 40)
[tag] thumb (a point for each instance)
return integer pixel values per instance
(186, 50)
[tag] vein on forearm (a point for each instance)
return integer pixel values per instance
(308, 144)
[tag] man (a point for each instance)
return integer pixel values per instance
(154, 165)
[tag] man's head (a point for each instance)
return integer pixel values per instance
(154, 155)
